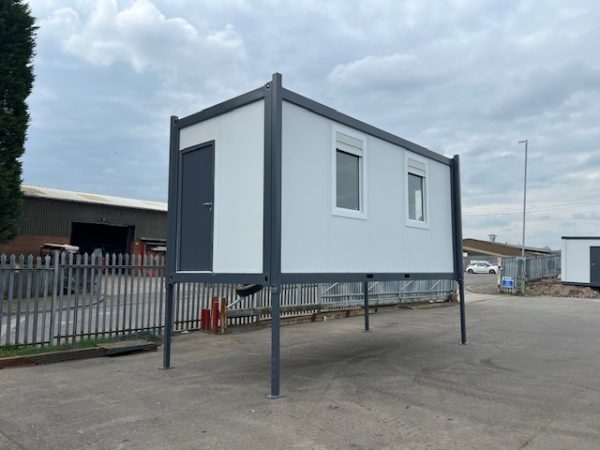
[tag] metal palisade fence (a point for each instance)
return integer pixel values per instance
(519, 271)
(61, 297)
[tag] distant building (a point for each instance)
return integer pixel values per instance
(89, 221)
(489, 250)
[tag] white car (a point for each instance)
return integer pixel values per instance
(481, 267)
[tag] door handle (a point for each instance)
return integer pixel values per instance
(208, 205)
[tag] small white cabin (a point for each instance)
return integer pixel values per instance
(274, 187)
(580, 260)
(271, 188)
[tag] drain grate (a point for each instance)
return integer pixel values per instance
(107, 349)
(67, 355)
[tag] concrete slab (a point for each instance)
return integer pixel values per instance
(528, 379)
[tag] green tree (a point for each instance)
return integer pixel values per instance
(17, 43)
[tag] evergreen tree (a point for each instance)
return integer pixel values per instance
(17, 42)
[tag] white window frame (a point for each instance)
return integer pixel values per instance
(362, 154)
(424, 173)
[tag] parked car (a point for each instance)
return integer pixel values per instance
(482, 267)
(73, 276)
(49, 249)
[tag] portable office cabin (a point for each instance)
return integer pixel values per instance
(580, 260)
(271, 187)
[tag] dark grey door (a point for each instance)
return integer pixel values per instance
(595, 266)
(195, 218)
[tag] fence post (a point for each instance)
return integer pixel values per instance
(2, 266)
(19, 297)
(522, 274)
(54, 292)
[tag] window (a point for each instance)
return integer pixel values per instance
(348, 174)
(415, 197)
(416, 192)
(347, 180)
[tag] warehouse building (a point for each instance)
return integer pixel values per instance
(476, 248)
(89, 221)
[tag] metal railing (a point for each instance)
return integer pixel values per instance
(61, 298)
(518, 271)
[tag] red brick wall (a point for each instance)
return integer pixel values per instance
(30, 245)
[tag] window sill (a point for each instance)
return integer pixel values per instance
(417, 224)
(349, 213)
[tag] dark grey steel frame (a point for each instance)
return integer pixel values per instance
(576, 283)
(274, 95)
(586, 238)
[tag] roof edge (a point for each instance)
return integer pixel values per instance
(64, 195)
(581, 237)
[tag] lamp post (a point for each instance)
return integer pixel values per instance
(525, 141)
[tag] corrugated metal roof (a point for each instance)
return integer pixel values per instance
(498, 249)
(82, 197)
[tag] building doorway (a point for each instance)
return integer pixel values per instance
(110, 238)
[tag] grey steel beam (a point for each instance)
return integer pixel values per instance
(171, 240)
(366, 306)
(222, 108)
(298, 278)
(275, 236)
(275, 342)
(458, 244)
(168, 330)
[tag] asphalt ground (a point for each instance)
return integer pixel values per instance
(482, 283)
(527, 379)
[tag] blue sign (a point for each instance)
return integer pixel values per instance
(508, 282)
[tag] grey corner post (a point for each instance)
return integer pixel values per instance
(366, 299)
(171, 242)
(463, 323)
(168, 326)
(458, 245)
(275, 342)
(276, 101)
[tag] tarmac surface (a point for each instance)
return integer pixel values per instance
(482, 283)
(529, 378)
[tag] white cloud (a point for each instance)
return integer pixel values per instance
(63, 21)
(139, 35)
(395, 71)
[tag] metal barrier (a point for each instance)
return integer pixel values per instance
(62, 298)
(516, 272)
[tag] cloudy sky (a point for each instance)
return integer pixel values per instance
(456, 76)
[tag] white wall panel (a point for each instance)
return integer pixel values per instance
(238, 203)
(315, 240)
(575, 264)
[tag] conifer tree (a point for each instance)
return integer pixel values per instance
(17, 42)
